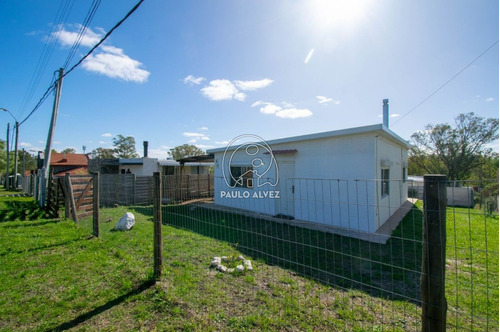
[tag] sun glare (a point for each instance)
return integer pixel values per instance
(329, 14)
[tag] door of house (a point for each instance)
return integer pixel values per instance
(285, 206)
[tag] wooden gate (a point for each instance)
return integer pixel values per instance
(78, 196)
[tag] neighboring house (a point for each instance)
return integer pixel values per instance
(72, 163)
(139, 166)
(173, 167)
(146, 166)
(353, 179)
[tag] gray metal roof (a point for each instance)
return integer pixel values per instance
(377, 128)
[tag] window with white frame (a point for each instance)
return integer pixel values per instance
(242, 176)
(384, 181)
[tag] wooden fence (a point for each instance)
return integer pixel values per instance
(129, 189)
(76, 192)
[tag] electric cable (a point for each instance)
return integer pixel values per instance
(53, 85)
(446, 83)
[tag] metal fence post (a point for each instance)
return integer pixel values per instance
(157, 220)
(432, 282)
(95, 203)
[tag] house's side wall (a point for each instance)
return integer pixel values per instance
(394, 158)
(332, 182)
(336, 181)
(325, 190)
(148, 168)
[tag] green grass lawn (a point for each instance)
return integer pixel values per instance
(55, 276)
(390, 271)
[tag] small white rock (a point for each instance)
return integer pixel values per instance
(241, 258)
(221, 268)
(230, 270)
(247, 262)
(224, 258)
(126, 222)
(240, 268)
(214, 263)
(249, 267)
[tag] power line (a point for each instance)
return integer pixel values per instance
(52, 86)
(83, 29)
(40, 102)
(446, 83)
(105, 37)
(61, 17)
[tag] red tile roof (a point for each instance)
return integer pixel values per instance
(68, 159)
(74, 171)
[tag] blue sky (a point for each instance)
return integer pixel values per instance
(204, 72)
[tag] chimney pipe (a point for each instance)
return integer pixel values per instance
(386, 113)
(145, 149)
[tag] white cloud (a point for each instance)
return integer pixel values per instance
(327, 100)
(188, 134)
(489, 99)
(111, 61)
(107, 135)
(116, 65)
(270, 108)
(193, 80)
(253, 85)
(203, 128)
(25, 145)
(222, 142)
(284, 113)
(222, 90)
(294, 113)
(161, 153)
(67, 38)
(196, 137)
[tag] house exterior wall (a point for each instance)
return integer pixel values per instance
(334, 181)
(395, 158)
(148, 167)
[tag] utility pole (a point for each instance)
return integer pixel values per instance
(24, 170)
(7, 186)
(48, 146)
(15, 157)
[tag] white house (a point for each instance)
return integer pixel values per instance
(352, 179)
(139, 166)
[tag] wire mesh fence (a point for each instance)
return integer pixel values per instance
(346, 251)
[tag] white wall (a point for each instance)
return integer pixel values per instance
(336, 182)
(148, 167)
(395, 158)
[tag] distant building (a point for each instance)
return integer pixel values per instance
(72, 163)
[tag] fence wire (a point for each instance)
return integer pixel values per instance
(353, 250)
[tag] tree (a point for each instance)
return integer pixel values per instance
(185, 150)
(454, 151)
(103, 153)
(124, 147)
(30, 161)
(69, 151)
